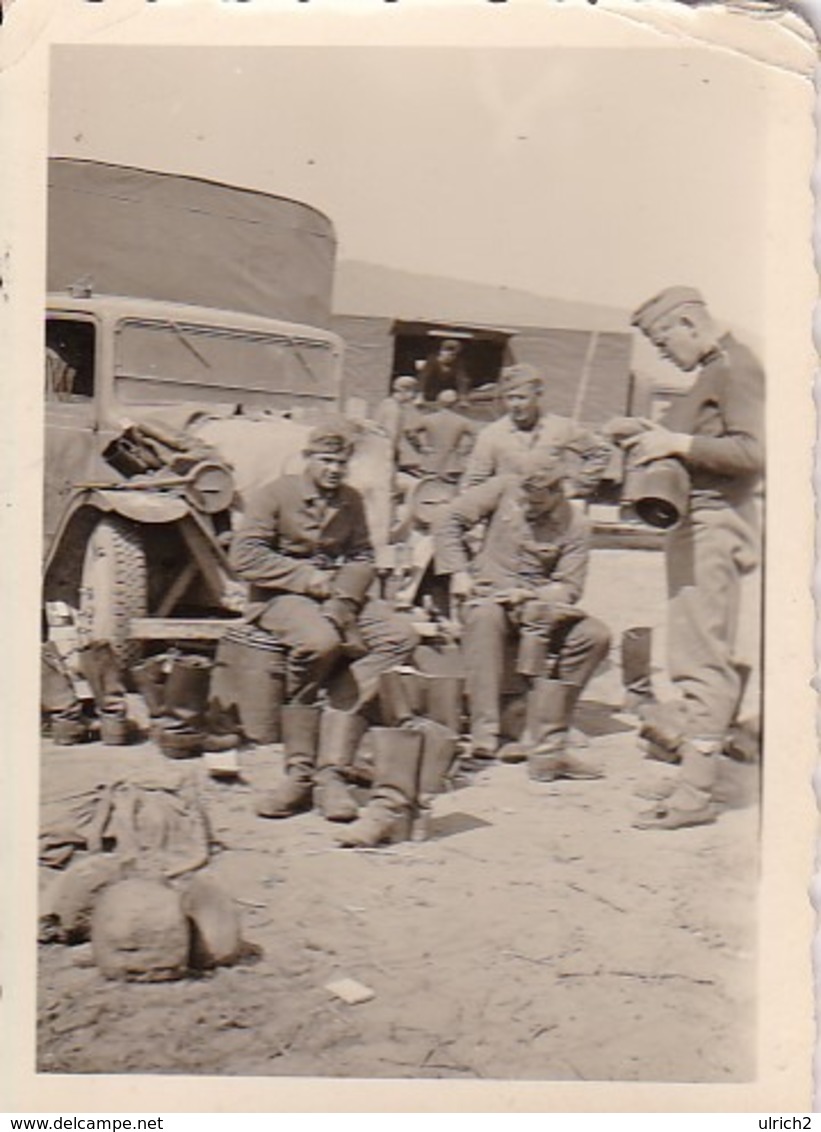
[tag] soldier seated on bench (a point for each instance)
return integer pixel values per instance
(524, 581)
(305, 549)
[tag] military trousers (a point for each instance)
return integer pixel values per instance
(707, 558)
(575, 649)
(314, 645)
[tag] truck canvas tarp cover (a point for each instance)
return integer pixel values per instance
(125, 231)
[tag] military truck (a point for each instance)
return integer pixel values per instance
(186, 351)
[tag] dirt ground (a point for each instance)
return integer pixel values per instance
(536, 935)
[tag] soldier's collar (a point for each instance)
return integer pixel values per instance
(311, 491)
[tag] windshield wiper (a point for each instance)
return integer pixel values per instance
(314, 378)
(186, 341)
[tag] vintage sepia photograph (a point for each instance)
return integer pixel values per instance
(405, 659)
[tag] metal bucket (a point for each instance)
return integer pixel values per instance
(660, 493)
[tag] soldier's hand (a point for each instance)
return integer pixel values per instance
(514, 596)
(619, 429)
(657, 443)
(319, 586)
(461, 585)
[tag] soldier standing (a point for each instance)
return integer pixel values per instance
(717, 432)
(502, 446)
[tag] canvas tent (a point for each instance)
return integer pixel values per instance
(183, 239)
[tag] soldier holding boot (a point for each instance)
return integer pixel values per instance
(306, 551)
(524, 582)
(716, 433)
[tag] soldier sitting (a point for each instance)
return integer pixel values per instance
(525, 581)
(305, 549)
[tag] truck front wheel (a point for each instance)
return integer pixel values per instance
(114, 587)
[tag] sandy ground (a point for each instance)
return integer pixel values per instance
(536, 935)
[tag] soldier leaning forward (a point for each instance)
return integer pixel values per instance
(524, 583)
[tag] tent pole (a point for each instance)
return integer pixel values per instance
(584, 379)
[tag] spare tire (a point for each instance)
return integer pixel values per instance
(114, 587)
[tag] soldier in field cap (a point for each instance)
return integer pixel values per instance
(526, 427)
(524, 584)
(716, 430)
(667, 301)
(305, 549)
(332, 434)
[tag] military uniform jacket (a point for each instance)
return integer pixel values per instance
(724, 412)
(501, 448)
(292, 532)
(548, 554)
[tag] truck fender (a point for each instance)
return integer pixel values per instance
(140, 506)
(146, 507)
(87, 504)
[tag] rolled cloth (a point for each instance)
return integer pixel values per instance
(670, 299)
(333, 436)
(519, 376)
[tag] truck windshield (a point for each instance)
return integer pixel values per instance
(164, 361)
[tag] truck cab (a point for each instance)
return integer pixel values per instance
(138, 554)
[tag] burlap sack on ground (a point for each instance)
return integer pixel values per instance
(139, 931)
(159, 825)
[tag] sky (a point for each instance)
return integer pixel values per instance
(583, 174)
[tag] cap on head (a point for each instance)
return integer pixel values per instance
(447, 397)
(520, 376)
(543, 467)
(406, 382)
(670, 299)
(333, 437)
